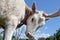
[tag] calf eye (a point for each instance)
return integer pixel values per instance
(32, 19)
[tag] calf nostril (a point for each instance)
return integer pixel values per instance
(29, 35)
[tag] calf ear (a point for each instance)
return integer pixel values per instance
(34, 7)
(46, 16)
(55, 14)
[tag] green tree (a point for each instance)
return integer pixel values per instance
(1, 38)
(14, 38)
(47, 38)
(41, 39)
(57, 34)
(51, 38)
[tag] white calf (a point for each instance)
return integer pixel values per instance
(13, 11)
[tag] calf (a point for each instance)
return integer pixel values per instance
(35, 19)
(13, 12)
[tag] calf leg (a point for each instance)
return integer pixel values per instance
(11, 25)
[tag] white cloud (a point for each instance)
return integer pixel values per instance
(44, 35)
(36, 36)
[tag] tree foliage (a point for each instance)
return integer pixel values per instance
(57, 34)
(51, 38)
(41, 39)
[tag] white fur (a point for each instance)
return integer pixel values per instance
(33, 26)
(12, 12)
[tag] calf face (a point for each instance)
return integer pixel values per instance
(34, 21)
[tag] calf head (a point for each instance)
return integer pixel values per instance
(34, 21)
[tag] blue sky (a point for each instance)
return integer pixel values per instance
(49, 6)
